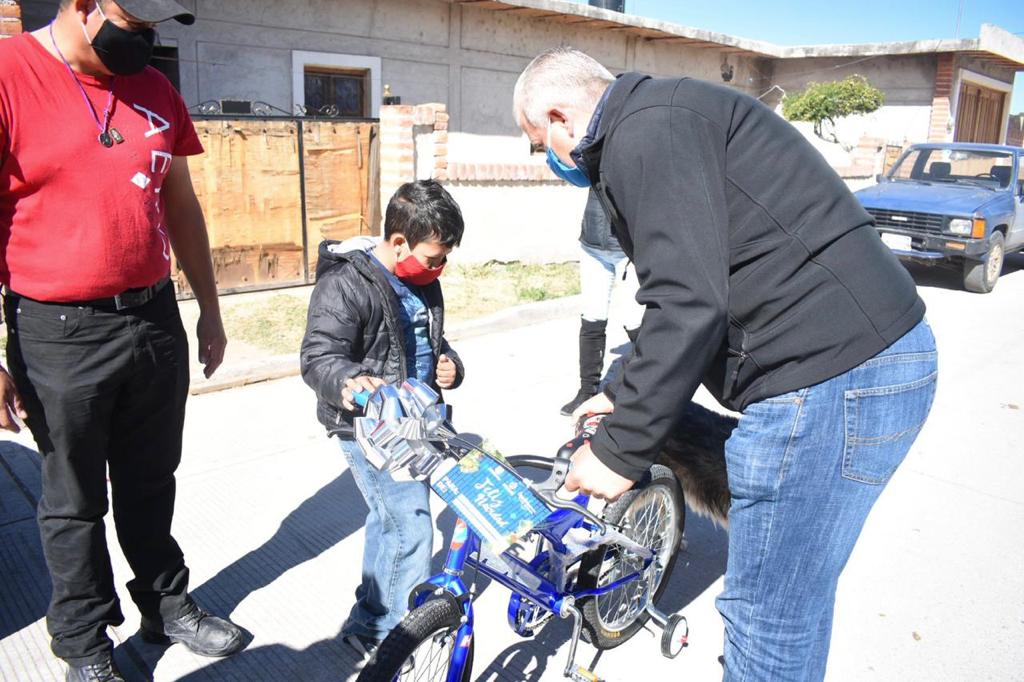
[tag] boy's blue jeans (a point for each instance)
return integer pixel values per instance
(805, 469)
(398, 547)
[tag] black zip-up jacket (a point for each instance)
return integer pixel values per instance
(760, 271)
(353, 329)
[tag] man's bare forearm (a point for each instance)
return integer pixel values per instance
(186, 229)
(191, 245)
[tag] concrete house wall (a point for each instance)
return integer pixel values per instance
(426, 51)
(908, 82)
(467, 58)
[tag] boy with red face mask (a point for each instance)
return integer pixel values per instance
(377, 316)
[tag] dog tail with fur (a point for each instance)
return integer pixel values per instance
(696, 454)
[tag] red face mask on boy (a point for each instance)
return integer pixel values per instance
(412, 271)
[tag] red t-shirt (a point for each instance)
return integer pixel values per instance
(78, 220)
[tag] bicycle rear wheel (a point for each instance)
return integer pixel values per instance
(421, 647)
(652, 514)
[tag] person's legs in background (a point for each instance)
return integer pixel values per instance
(805, 469)
(597, 277)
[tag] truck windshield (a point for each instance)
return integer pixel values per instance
(959, 166)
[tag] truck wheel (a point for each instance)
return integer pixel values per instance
(981, 276)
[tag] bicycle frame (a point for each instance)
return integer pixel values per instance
(512, 572)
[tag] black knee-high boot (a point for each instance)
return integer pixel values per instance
(592, 342)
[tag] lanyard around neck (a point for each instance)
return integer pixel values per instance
(107, 135)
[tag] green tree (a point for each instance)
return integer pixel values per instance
(822, 102)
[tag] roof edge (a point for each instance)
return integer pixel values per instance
(992, 38)
(873, 49)
(669, 28)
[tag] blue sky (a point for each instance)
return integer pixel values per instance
(806, 22)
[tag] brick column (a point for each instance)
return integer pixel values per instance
(398, 145)
(397, 150)
(10, 18)
(938, 129)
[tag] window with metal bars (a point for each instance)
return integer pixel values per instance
(343, 92)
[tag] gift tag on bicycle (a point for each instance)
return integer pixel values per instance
(493, 500)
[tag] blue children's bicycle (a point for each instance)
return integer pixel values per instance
(557, 557)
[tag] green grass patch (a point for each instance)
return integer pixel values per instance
(275, 324)
(476, 290)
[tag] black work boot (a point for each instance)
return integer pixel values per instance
(199, 631)
(104, 670)
(592, 342)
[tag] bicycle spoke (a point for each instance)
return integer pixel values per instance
(431, 659)
(648, 521)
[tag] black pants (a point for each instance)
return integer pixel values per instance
(103, 389)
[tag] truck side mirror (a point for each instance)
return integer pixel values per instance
(879, 177)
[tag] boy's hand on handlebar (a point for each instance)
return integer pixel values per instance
(354, 386)
(599, 404)
(588, 475)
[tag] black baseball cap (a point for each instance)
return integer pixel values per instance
(155, 11)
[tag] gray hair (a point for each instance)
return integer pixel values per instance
(558, 77)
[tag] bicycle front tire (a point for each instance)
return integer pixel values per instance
(421, 637)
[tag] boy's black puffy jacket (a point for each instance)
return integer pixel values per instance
(353, 329)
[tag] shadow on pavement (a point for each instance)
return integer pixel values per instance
(323, 520)
(327, 659)
(528, 660)
(25, 588)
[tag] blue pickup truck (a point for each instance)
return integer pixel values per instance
(955, 203)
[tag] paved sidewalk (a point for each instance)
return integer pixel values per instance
(270, 521)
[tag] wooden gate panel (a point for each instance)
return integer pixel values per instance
(341, 178)
(248, 185)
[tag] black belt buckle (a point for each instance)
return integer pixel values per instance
(133, 299)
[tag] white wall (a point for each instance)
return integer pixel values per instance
(529, 222)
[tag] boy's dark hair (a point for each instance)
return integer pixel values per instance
(423, 210)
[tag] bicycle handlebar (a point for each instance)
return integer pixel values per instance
(560, 466)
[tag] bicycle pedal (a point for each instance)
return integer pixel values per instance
(581, 674)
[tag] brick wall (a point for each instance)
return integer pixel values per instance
(398, 162)
(10, 18)
(940, 128)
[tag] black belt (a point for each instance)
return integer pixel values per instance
(130, 298)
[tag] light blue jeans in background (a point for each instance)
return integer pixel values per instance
(805, 469)
(398, 547)
(599, 272)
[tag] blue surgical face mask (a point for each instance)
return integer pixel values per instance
(571, 174)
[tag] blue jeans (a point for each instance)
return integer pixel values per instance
(398, 547)
(805, 468)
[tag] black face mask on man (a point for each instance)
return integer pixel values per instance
(122, 51)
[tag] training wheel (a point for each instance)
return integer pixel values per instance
(674, 635)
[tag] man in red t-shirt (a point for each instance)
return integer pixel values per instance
(94, 196)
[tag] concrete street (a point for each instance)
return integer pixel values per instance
(270, 521)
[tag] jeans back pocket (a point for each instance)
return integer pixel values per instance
(882, 423)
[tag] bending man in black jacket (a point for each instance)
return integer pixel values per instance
(763, 278)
